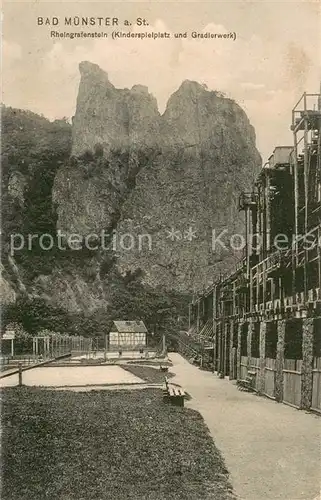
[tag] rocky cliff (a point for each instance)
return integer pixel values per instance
(156, 184)
(162, 183)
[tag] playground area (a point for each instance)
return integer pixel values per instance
(64, 376)
(286, 439)
(48, 348)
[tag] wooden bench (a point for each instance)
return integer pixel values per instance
(173, 395)
(247, 384)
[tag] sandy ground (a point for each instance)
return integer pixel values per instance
(48, 376)
(272, 451)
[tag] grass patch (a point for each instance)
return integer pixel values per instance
(103, 445)
(148, 373)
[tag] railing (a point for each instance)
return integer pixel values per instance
(247, 199)
(271, 263)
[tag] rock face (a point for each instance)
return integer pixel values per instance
(163, 183)
(7, 293)
(121, 128)
(113, 118)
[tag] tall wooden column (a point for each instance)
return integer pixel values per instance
(249, 342)
(230, 348)
(238, 352)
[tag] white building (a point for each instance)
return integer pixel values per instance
(127, 335)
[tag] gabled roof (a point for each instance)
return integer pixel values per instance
(130, 326)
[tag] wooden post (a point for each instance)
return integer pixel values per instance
(249, 342)
(226, 348)
(247, 213)
(251, 290)
(20, 374)
(296, 197)
(198, 316)
(12, 348)
(264, 283)
(164, 344)
(238, 351)
(214, 328)
(268, 214)
(306, 196)
(258, 271)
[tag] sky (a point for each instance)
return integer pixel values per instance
(275, 58)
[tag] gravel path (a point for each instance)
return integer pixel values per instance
(271, 450)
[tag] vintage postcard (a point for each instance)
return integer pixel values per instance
(161, 250)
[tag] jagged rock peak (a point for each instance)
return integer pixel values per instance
(191, 85)
(140, 89)
(94, 72)
(112, 117)
(86, 67)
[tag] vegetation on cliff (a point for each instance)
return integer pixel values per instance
(33, 150)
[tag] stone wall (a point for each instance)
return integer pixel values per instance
(262, 357)
(280, 361)
(307, 360)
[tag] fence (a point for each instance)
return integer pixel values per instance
(269, 377)
(81, 344)
(316, 384)
(292, 374)
(31, 350)
(233, 364)
(21, 347)
(255, 367)
(7, 361)
(243, 367)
